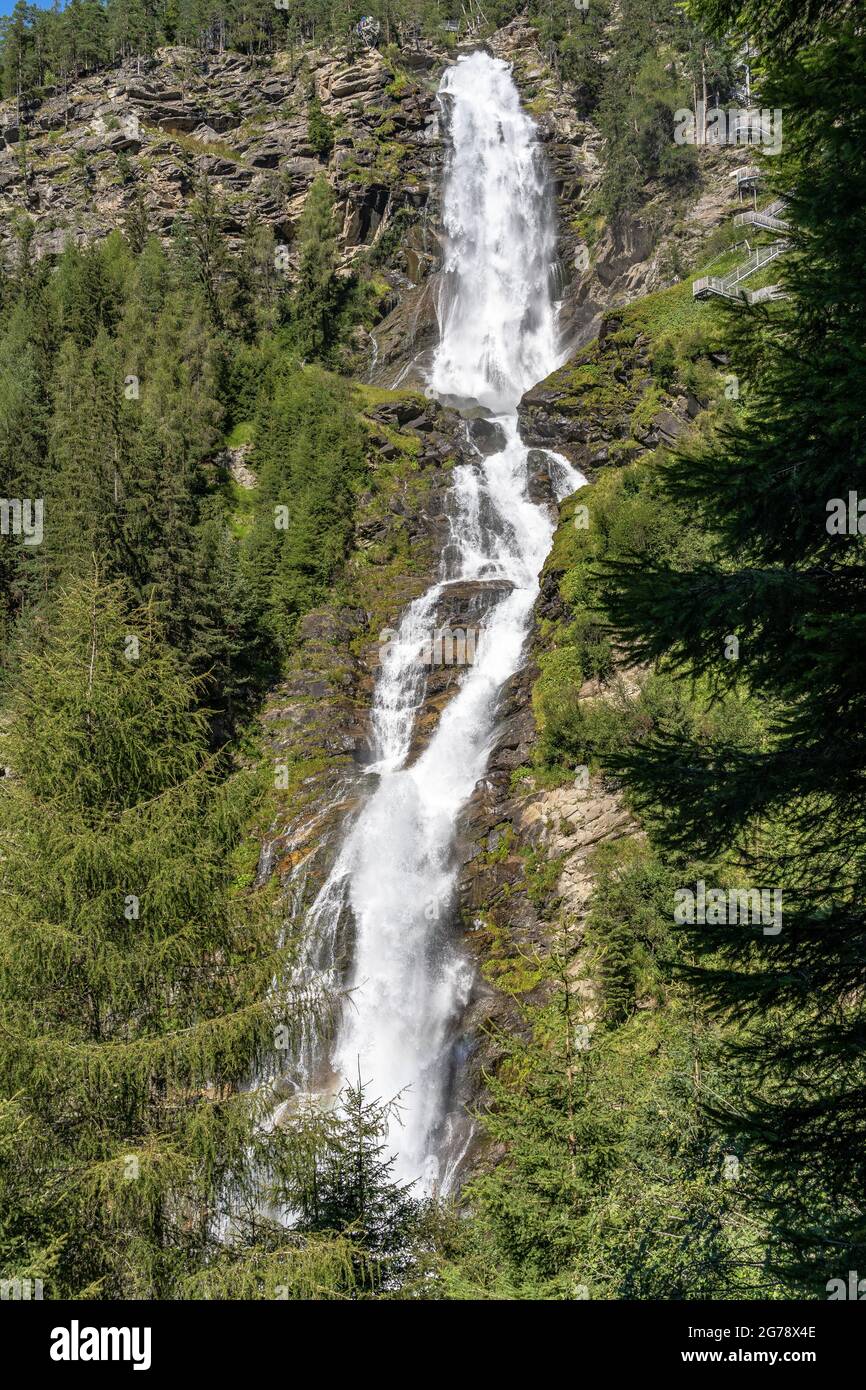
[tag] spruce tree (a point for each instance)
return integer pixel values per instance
(348, 1188)
(319, 127)
(311, 456)
(778, 611)
(140, 991)
(319, 295)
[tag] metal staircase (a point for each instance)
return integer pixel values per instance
(727, 285)
(766, 220)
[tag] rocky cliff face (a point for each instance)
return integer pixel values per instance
(75, 161)
(604, 406)
(316, 722)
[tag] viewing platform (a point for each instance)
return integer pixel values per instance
(747, 179)
(768, 218)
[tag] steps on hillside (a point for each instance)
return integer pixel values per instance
(768, 219)
(727, 286)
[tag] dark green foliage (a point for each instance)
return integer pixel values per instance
(320, 128)
(628, 519)
(320, 294)
(141, 991)
(628, 928)
(135, 991)
(349, 1189)
(791, 809)
(353, 1232)
(658, 62)
(116, 384)
(310, 448)
(32, 1230)
(609, 1181)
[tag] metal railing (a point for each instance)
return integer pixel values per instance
(747, 176)
(726, 285)
(767, 218)
(765, 295)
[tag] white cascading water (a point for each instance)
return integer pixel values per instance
(396, 867)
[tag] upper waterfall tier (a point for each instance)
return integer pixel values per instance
(496, 313)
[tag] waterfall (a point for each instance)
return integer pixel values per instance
(497, 316)
(396, 868)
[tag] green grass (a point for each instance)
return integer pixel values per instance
(676, 309)
(241, 434)
(368, 397)
(239, 503)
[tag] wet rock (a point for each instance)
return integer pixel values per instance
(487, 435)
(541, 487)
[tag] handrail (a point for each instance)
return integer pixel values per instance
(767, 219)
(756, 261)
(766, 294)
(726, 285)
(763, 217)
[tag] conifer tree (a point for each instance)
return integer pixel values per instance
(318, 295)
(139, 992)
(782, 593)
(348, 1188)
(206, 240)
(26, 353)
(310, 449)
(319, 127)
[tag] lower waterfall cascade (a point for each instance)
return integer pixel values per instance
(395, 870)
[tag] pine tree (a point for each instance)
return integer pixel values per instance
(556, 1148)
(136, 225)
(91, 452)
(348, 1188)
(139, 992)
(207, 243)
(26, 352)
(31, 1229)
(310, 449)
(319, 128)
(319, 295)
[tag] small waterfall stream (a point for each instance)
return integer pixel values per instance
(396, 869)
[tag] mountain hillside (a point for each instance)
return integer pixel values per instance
(431, 795)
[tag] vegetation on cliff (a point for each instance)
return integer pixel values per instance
(671, 1112)
(786, 584)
